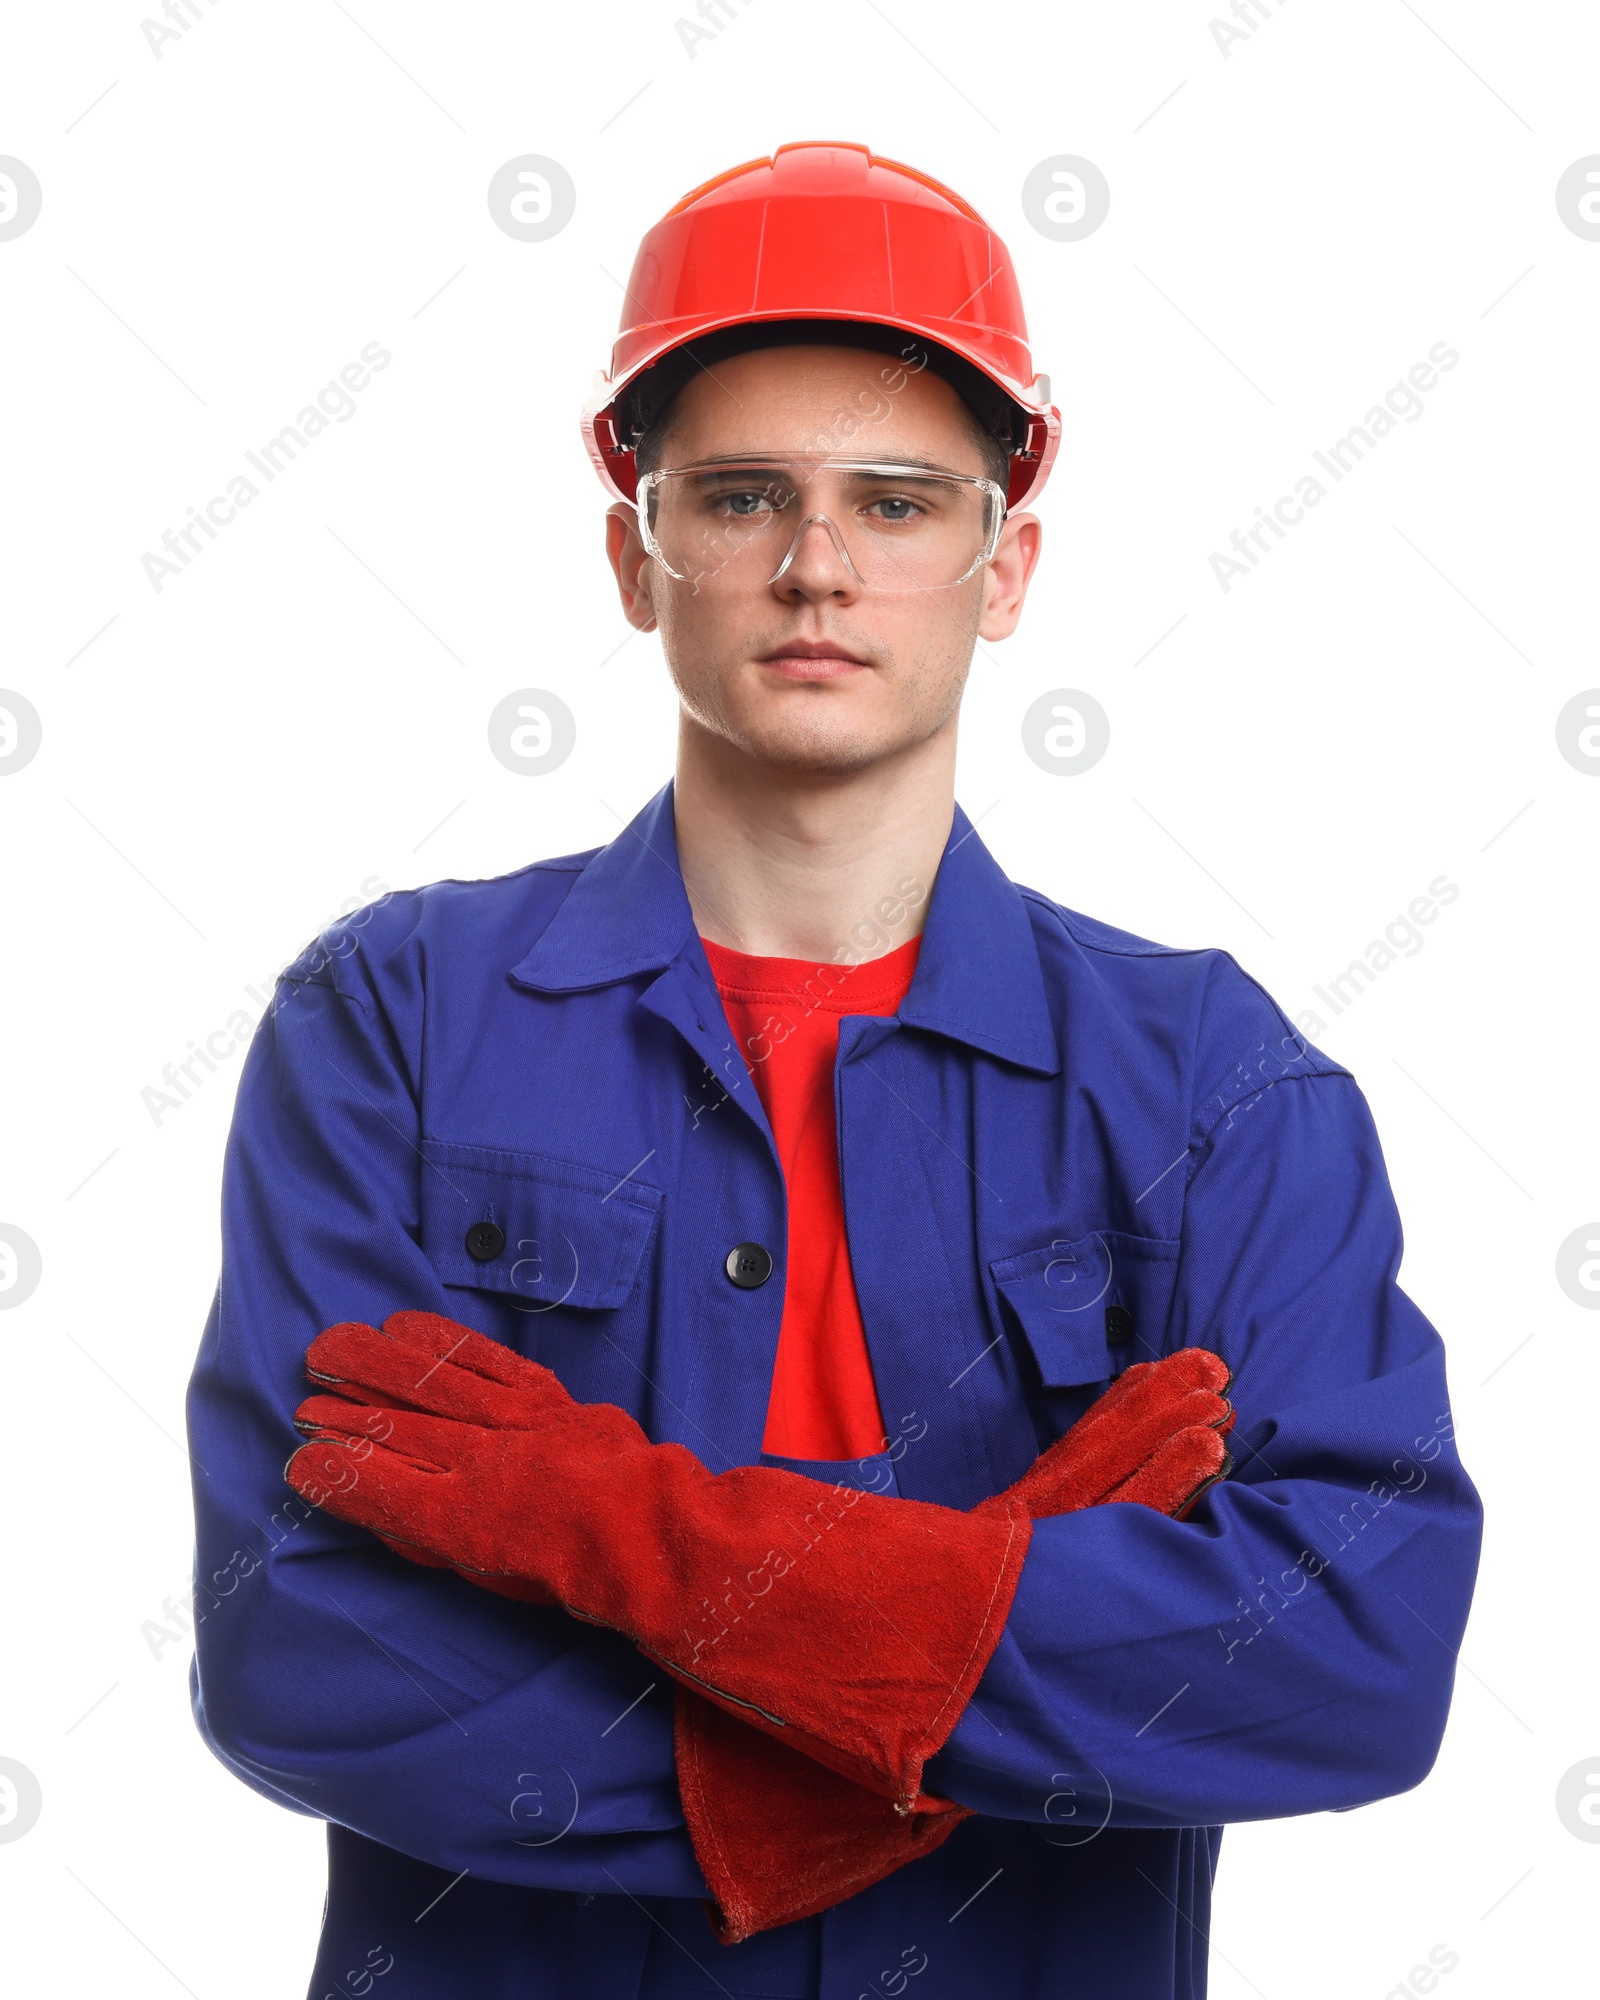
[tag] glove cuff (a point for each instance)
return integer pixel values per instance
(778, 1837)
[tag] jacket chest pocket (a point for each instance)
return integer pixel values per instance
(553, 1232)
(1090, 1305)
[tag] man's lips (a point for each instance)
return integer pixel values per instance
(812, 660)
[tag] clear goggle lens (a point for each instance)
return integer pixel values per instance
(742, 523)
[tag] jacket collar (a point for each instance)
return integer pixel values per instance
(978, 978)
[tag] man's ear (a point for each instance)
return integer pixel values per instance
(1007, 576)
(632, 565)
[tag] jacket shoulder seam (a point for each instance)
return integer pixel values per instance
(1202, 1140)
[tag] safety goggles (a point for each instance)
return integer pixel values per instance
(739, 523)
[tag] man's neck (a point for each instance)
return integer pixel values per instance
(802, 865)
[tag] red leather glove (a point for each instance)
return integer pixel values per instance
(1154, 1437)
(779, 1837)
(852, 1625)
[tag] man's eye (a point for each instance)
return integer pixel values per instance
(745, 503)
(896, 507)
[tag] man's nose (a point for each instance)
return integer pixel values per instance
(817, 564)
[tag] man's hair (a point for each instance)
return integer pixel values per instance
(646, 410)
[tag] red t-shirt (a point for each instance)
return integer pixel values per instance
(785, 1015)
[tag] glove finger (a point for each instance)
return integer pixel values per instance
(346, 1413)
(1149, 1385)
(1197, 1368)
(1114, 1456)
(1150, 1382)
(327, 1471)
(1127, 1384)
(442, 1339)
(365, 1484)
(394, 1497)
(429, 1443)
(367, 1364)
(368, 1358)
(1084, 1468)
(1173, 1478)
(486, 1382)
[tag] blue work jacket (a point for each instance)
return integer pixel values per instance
(1069, 1150)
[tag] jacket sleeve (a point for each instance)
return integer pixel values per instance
(330, 1674)
(1289, 1648)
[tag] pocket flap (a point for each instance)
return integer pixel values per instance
(556, 1231)
(1063, 1292)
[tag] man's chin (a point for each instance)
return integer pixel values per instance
(838, 750)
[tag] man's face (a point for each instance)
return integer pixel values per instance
(815, 671)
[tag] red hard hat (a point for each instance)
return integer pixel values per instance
(827, 232)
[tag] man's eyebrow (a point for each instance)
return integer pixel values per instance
(828, 458)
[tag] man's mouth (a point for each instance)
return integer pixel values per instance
(813, 660)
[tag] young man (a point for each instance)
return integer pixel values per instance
(796, 1283)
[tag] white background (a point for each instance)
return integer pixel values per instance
(300, 715)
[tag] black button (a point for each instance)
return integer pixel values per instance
(485, 1240)
(749, 1265)
(1119, 1326)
